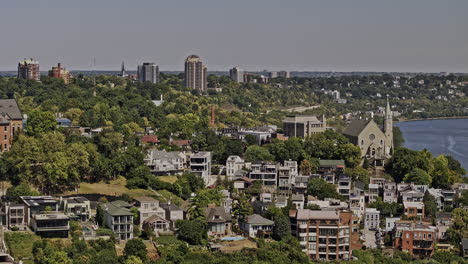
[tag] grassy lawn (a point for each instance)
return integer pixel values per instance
(20, 245)
(169, 179)
(164, 196)
(115, 188)
(167, 240)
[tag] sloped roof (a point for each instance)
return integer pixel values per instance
(256, 219)
(217, 214)
(10, 107)
(114, 210)
(155, 218)
(355, 127)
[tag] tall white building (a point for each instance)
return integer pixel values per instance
(236, 74)
(148, 72)
(233, 164)
(200, 164)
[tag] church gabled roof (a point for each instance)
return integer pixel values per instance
(355, 127)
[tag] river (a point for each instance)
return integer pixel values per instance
(447, 136)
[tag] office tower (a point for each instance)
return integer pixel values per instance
(29, 70)
(59, 72)
(148, 72)
(272, 74)
(236, 74)
(195, 73)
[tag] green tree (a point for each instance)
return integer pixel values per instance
(40, 122)
(398, 139)
(321, 189)
(13, 193)
(430, 204)
(305, 168)
(250, 140)
(242, 208)
(257, 153)
(282, 228)
(135, 247)
(313, 207)
(133, 260)
(191, 231)
(418, 176)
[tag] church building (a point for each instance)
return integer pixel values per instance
(376, 143)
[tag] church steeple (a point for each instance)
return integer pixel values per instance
(388, 129)
(122, 70)
(388, 110)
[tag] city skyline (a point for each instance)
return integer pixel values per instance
(401, 36)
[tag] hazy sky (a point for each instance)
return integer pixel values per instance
(309, 35)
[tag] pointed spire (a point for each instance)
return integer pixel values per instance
(388, 110)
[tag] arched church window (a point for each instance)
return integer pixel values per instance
(381, 142)
(371, 137)
(362, 142)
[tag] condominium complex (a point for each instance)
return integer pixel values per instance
(59, 72)
(195, 73)
(323, 235)
(29, 70)
(148, 72)
(303, 126)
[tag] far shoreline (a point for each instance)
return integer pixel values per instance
(431, 118)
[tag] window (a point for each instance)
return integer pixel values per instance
(371, 137)
(5, 137)
(362, 142)
(5, 129)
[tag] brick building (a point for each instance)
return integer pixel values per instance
(416, 239)
(59, 72)
(323, 235)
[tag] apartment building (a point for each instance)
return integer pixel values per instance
(52, 224)
(416, 239)
(287, 173)
(200, 164)
(372, 219)
(266, 172)
(61, 73)
(323, 235)
(78, 208)
(195, 73)
(390, 192)
(119, 219)
(344, 186)
(233, 165)
(29, 70)
(414, 209)
(162, 162)
(331, 169)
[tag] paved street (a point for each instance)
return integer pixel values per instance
(369, 239)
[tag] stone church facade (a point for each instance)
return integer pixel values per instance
(376, 143)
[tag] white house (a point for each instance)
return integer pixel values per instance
(372, 218)
(257, 226)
